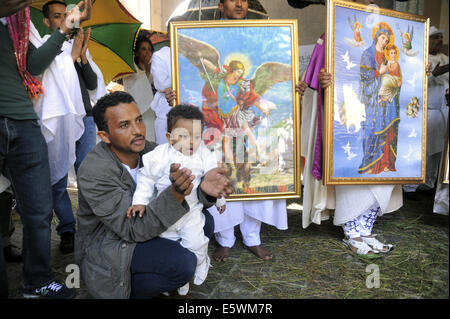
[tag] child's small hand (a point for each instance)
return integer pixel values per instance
(140, 209)
(221, 209)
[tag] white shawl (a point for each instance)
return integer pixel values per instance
(61, 108)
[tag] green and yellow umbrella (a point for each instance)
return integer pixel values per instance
(113, 35)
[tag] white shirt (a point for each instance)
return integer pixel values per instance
(132, 171)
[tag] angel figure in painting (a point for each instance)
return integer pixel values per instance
(413, 107)
(231, 102)
(380, 129)
(391, 82)
(356, 27)
(407, 39)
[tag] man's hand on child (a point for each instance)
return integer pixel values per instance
(139, 209)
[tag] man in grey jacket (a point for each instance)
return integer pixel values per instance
(121, 257)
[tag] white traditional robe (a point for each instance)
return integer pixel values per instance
(161, 72)
(314, 192)
(437, 106)
(272, 212)
(140, 87)
(61, 108)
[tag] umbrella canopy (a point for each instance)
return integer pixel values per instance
(210, 10)
(114, 32)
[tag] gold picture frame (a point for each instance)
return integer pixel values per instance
(375, 118)
(242, 75)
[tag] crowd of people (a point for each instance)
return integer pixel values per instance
(151, 195)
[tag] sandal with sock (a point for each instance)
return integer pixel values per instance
(359, 247)
(375, 244)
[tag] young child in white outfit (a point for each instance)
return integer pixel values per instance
(185, 147)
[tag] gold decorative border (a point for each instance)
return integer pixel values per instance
(328, 178)
(293, 25)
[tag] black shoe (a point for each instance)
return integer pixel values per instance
(51, 291)
(67, 243)
(12, 254)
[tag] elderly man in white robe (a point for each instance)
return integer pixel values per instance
(437, 113)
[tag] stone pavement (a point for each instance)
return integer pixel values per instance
(312, 262)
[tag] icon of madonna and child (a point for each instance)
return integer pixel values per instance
(380, 85)
(234, 112)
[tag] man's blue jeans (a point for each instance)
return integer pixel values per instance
(163, 265)
(63, 207)
(86, 142)
(24, 160)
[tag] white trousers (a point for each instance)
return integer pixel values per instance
(189, 232)
(363, 224)
(441, 200)
(250, 229)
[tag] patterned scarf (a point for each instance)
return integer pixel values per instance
(19, 30)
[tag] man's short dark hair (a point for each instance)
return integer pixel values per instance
(183, 111)
(109, 100)
(46, 7)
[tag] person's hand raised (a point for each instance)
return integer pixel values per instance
(75, 17)
(77, 46)
(84, 48)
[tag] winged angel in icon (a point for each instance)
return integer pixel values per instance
(407, 39)
(357, 40)
(231, 102)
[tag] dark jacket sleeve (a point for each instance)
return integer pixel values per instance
(39, 59)
(89, 76)
(108, 198)
(205, 199)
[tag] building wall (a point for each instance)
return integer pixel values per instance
(140, 9)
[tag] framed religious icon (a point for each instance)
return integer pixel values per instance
(242, 75)
(376, 108)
